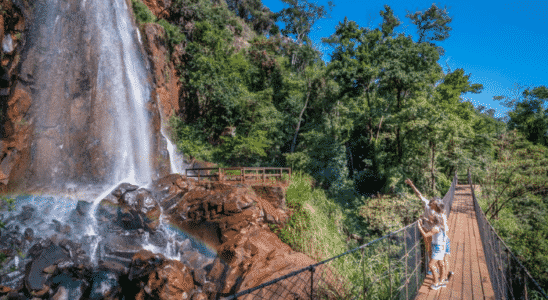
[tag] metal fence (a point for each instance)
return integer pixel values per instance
(509, 277)
(390, 267)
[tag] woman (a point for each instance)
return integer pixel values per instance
(438, 248)
(428, 212)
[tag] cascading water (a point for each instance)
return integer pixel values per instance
(122, 76)
(176, 160)
(91, 97)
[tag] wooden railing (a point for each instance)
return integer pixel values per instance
(251, 175)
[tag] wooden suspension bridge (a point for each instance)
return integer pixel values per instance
(471, 278)
(482, 264)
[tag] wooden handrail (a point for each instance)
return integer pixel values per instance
(249, 173)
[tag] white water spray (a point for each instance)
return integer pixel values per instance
(122, 76)
(176, 160)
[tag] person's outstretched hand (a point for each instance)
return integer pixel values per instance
(408, 181)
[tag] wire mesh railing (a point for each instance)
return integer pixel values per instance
(510, 279)
(450, 195)
(390, 267)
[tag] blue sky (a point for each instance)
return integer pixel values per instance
(499, 43)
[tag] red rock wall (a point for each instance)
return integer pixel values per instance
(167, 84)
(15, 128)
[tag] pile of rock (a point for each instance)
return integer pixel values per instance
(232, 219)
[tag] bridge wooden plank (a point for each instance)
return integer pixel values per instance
(477, 287)
(487, 287)
(467, 268)
(452, 223)
(459, 239)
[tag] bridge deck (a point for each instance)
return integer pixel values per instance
(467, 261)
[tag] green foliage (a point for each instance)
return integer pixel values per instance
(513, 197)
(299, 18)
(315, 220)
(530, 115)
(324, 158)
(259, 17)
(432, 24)
(6, 203)
(190, 140)
(385, 213)
(243, 150)
(380, 111)
(142, 13)
(174, 34)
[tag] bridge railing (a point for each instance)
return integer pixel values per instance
(390, 267)
(509, 277)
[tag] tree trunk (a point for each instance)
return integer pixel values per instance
(300, 119)
(398, 142)
(432, 161)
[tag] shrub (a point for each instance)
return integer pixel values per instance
(142, 13)
(173, 33)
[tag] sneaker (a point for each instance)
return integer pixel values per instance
(435, 286)
(430, 272)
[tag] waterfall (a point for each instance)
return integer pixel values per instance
(123, 76)
(91, 94)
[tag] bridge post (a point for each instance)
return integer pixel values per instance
(363, 272)
(417, 252)
(389, 267)
(406, 263)
(312, 269)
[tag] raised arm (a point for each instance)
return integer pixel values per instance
(410, 183)
(429, 233)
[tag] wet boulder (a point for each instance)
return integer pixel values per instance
(137, 209)
(121, 249)
(53, 257)
(155, 277)
(49, 254)
(82, 208)
(72, 287)
(27, 214)
(123, 188)
(105, 285)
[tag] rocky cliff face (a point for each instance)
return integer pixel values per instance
(167, 85)
(80, 107)
(14, 103)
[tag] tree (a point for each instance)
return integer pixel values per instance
(432, 24)
(389, 21)
(529, 114)
(255, 13)
(299, 18)
(406, 68)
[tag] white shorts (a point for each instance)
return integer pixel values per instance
(438, 251)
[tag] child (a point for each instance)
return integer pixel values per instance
(438, 248)
(439, 207)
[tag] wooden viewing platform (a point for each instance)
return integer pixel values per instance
(470, 279)
(250, 175)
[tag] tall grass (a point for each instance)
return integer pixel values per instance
(315, 227)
